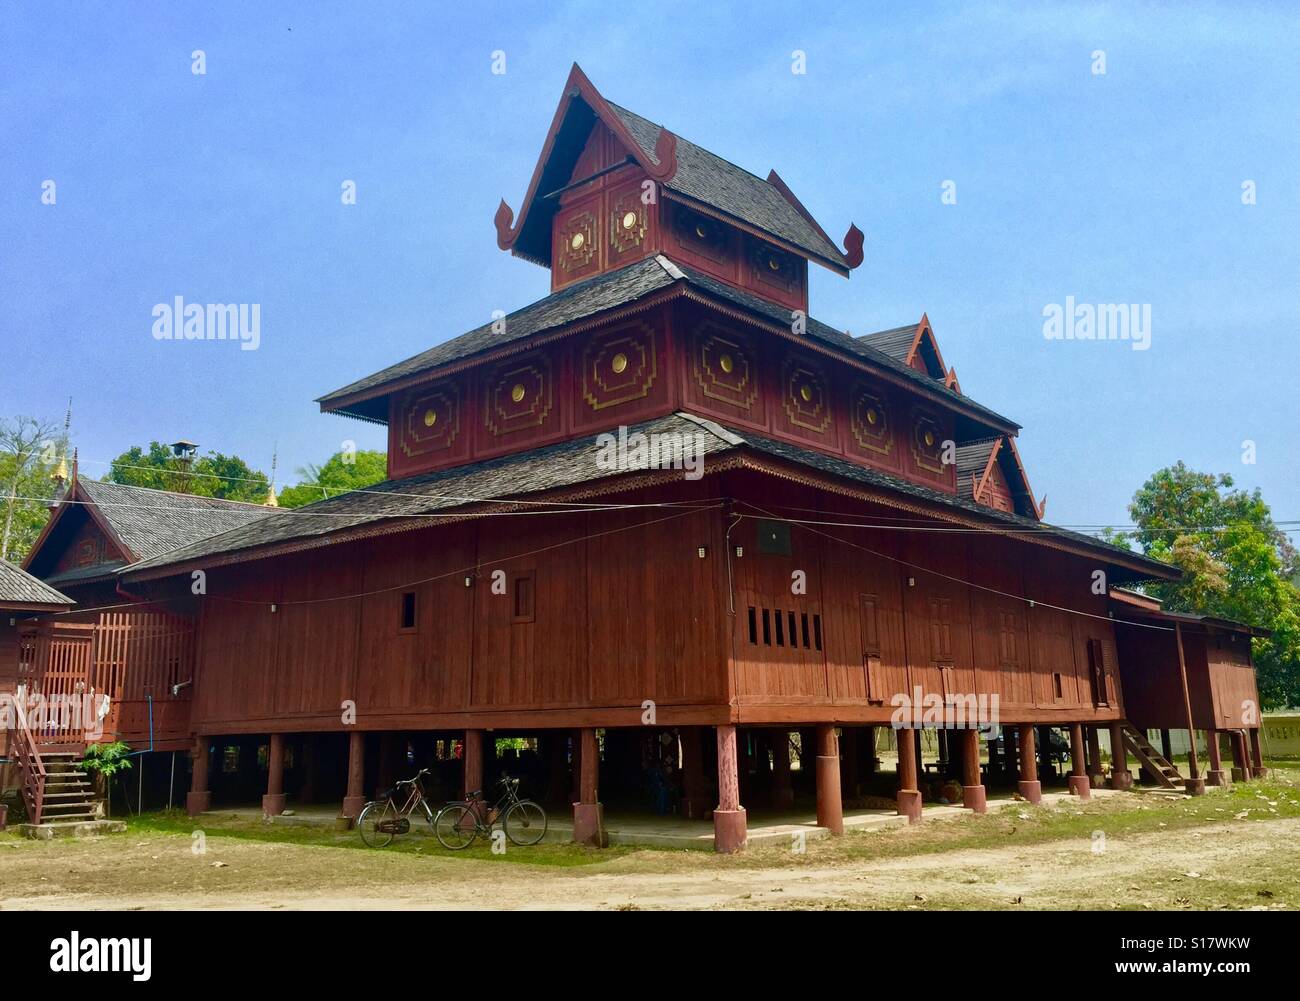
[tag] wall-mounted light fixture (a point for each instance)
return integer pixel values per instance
(911, 582)
(740, 550)
(702, 552)
(469, 580)
(273, 606)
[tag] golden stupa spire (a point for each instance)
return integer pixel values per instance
(270, 491)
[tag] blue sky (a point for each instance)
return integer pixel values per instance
(1117, 188)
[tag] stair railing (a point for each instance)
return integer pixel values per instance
(31, 768)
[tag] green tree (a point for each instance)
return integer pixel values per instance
(1236, 562)
(213, 475)
(343, 472)
(30, 450)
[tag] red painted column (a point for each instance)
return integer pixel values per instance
(1257, 769)
(730, 830)
(199, 799)
(472, 762)
(909, 796)
(1079, 784)
(973, 794)
(1240, 766)
(830, 807)
(1120, 777)
(1096, 774)
(355, 798)
(782, 788)
(273, 801)
(695, 798)
(1028, 786)
(588, 815)
(1216, 776)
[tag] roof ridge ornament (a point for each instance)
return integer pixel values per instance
(853, 241)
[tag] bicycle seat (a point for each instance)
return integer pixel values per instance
(476, 794)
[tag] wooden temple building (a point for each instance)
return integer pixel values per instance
(663, 526)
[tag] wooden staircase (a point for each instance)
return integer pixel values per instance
(1153, 762)
(56, 790)
(69, 794)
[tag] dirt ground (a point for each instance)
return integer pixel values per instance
(1227, 863)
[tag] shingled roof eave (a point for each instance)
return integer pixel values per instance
(681, 281)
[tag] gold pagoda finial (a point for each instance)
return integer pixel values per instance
(270, 490)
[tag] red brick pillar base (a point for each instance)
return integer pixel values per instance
(355, 798)
(199, 799)
(588, 814)
(1029, 787)
(273, 801)
(909, 796)
(830, 806)
(973, 794)
(730, 830)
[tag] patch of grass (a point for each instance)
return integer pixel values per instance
(1274, 798)
(419, 842)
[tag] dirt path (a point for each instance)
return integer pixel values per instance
(1222, 864)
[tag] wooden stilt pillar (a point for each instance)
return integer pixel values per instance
(1120, 777)
(1044, 735)
(1166, 746)
(1079, 784)
(309, 751)
(942, 752)
(782, 788)
(1009, 765)
(1240, 765)
(588, 814)
(909, 795)
(356, 797)
(388, 755)
(273, 800)
(695, 796)
(1194, 784)
(849, 758)
(1096, 774)
(870, 763)
(1029, 787)
(472, 763)
(830, 807)
(973, 794)
(729, 826)
(199, 798)
(558, 785)
(1257, 769)
(1216, 776)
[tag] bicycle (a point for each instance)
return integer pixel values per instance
(459, 823)
(381, 820)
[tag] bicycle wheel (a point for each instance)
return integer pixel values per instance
(455, 827)
(368, 821)
(525, 823)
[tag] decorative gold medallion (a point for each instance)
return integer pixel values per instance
(805, 391)
(619, 363)
(517, 393)
(577, 240)
(430, 418)
(629, 220)
(726, 364)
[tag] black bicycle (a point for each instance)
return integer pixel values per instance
(459, 823)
